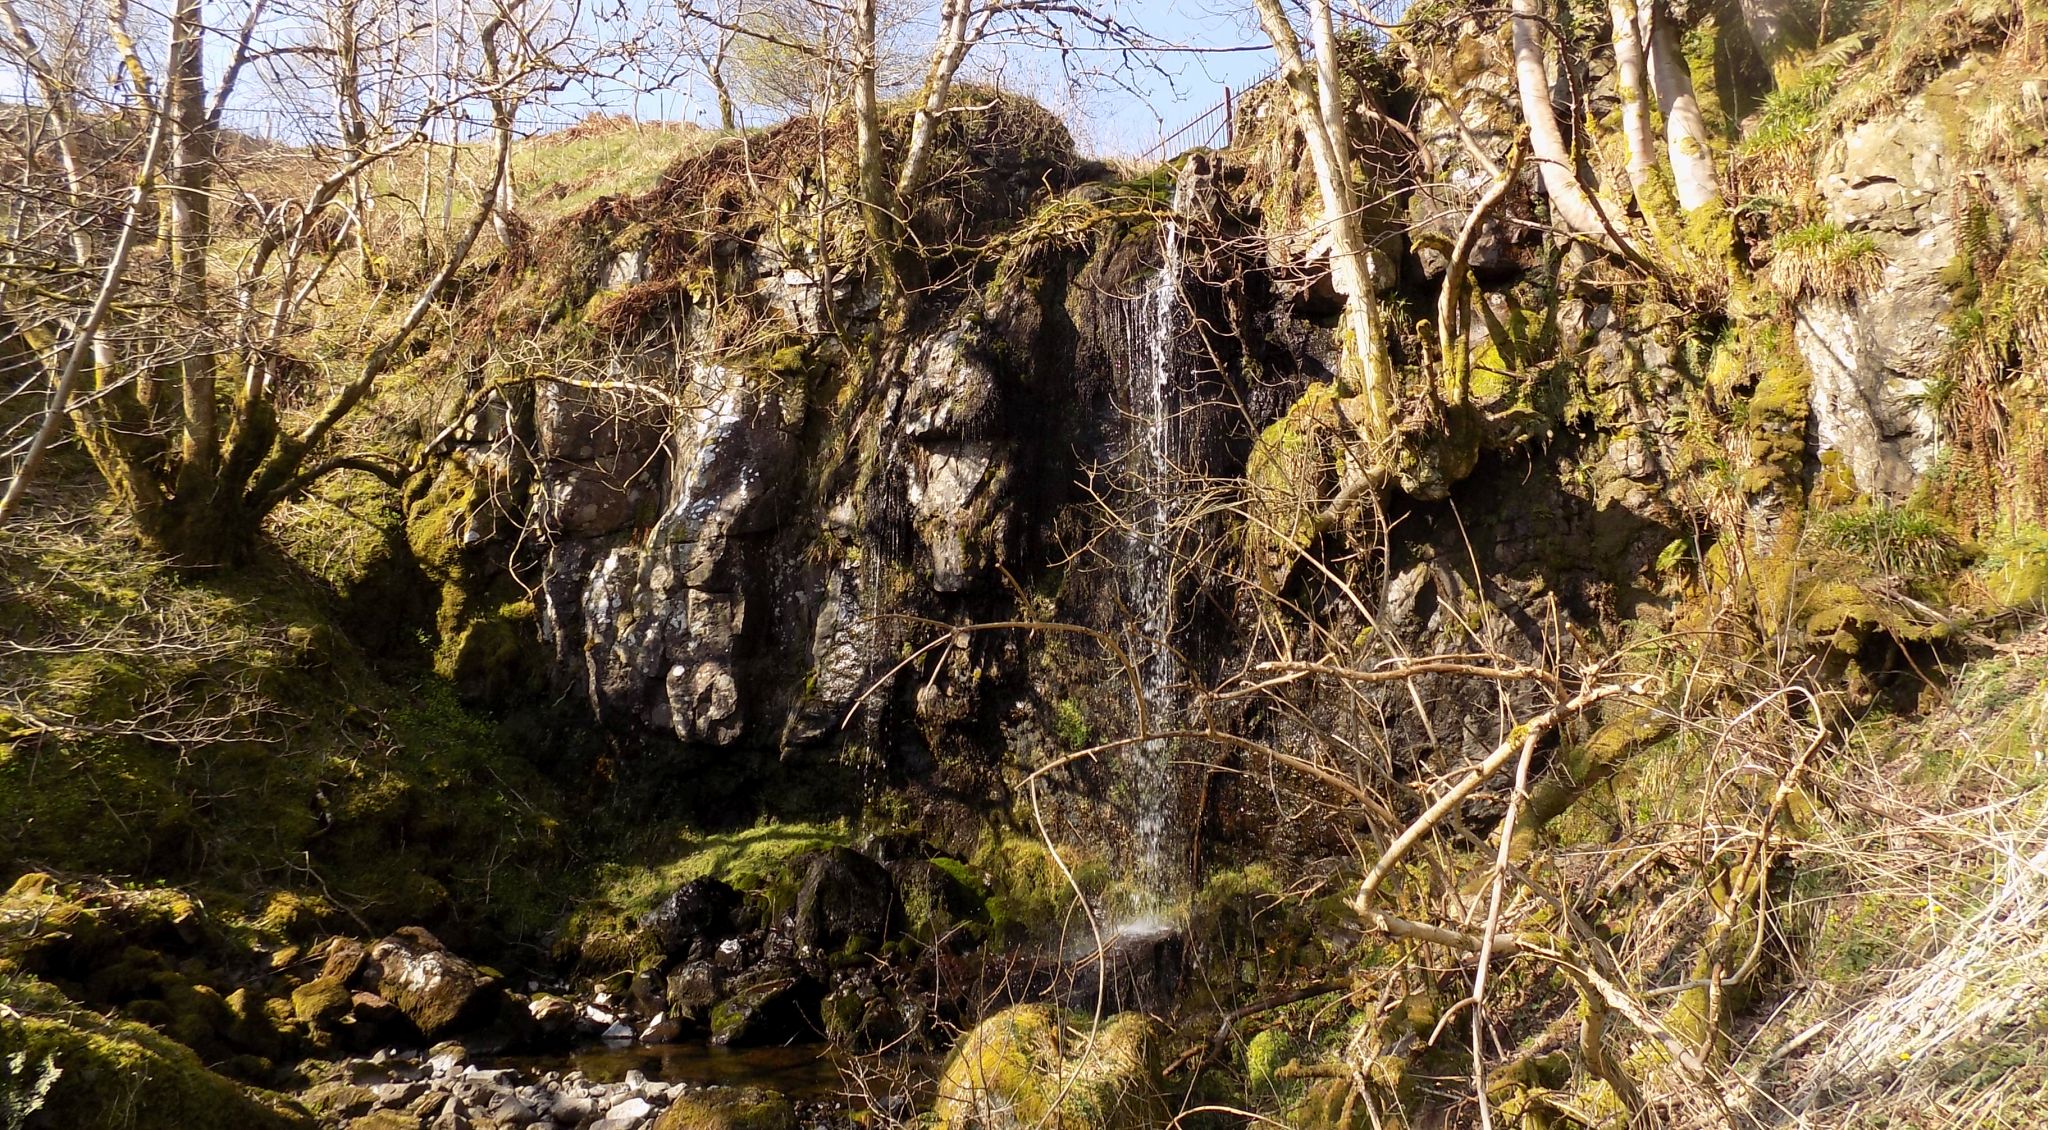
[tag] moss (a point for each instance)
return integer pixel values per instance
(729, 1108)
(322, 1000)
(1776, 418)
(2014, 570)
(757, 860)
(1287, 475)
(1584, 766)
(1031, 1066)
(1029, 895)
(1264, 1055)
(122, 1076)
(495, 659)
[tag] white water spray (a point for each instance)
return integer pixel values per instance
(1154, 469)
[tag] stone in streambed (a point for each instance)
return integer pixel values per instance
(729, 1108)
(776, 1005)
(692, 919)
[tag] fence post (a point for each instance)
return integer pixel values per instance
(1229, 120)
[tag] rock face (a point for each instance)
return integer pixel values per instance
(1874, 354)
(1135, 969)
(1029, 1066)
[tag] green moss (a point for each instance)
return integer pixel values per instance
(114, 1075)
(1070, 725)
(322, 1000)
(1288, 472)
(1041, 1068)
(1263, 1057)
(729, 1108)
(1776, 416)
(2014, 570)
(1031, 896)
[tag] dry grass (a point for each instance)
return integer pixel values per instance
(1821, 260)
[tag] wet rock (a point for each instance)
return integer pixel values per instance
(729, 1108)
(693, 989)
(438, 991)
(770, 1006)
(693, 918)
(1136, 969)
(554, 1019)
(859, 1013)
(846, 899)
(934, 900)
(661, 1029)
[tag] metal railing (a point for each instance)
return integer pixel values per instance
(1218, 121)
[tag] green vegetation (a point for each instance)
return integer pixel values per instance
(1901, 541)
(1821, 260)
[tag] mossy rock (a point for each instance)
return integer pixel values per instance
(1263, 1057)
(321, 1001)
(116, 1075)
(1032, 1067)
(1323, 1105)
(729, 1108)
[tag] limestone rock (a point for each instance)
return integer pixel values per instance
(437, 990)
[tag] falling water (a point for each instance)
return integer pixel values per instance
(1152, 466)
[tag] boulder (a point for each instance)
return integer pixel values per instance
(934, 898)
(774, 1005)
(1137, 968)
(88, 1071)
(437, 990)
(846, 899)
(693, 989)
(1030, 1067)
(693, 918)
(729, 1108)
(321, 1002)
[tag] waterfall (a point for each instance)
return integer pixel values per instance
(1154, 465)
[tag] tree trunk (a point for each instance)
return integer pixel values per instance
(1685, 131)
(190, 183)
(877, 206)
(1319, 109)
(1569, 200)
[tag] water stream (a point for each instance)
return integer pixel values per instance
(1154, 468)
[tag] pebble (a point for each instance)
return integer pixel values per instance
(446, 1092)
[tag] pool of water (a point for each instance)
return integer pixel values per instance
(804, 1072)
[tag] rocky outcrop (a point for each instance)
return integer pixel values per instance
(1873, 353)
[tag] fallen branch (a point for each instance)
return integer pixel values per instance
(1523, 737)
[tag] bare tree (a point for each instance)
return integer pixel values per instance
(195, 457)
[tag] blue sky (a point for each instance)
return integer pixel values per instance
(1121, 114)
